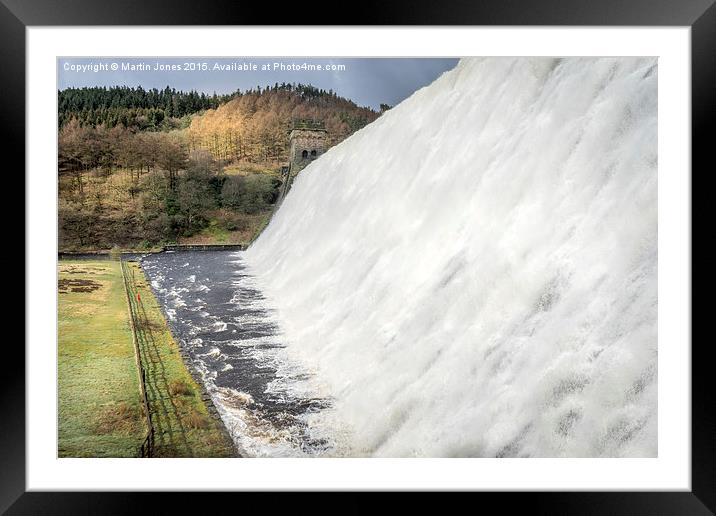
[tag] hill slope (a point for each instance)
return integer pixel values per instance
(254, 125)
(475, 273)
(133, 174)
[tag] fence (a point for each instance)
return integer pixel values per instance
(146, 449)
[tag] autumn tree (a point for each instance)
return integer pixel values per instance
(172, 156)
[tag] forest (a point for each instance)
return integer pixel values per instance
(132, 107)
(142, 168)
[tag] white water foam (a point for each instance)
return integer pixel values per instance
(474, 273)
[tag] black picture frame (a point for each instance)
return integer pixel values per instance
(700, 15)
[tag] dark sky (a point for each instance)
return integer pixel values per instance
(366, 81)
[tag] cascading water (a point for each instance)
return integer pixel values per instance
(475, 273)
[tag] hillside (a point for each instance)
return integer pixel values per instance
(138, 169)
(475, 273)
(253, 126)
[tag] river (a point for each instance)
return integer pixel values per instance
(233, 341)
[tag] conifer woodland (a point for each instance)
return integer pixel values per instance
(142, 168)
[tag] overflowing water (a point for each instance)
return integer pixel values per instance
(474, 274)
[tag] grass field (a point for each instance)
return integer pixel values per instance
(99, 405)
(100, 409)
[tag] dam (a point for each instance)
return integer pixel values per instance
(474, 274)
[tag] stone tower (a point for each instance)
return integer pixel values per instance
(308, 141)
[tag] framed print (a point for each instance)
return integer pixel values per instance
(437, 250)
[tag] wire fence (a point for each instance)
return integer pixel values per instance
(146, 449)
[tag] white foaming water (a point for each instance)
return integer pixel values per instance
(475, 273)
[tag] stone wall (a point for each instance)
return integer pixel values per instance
(306, 145)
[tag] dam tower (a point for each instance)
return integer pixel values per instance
(307, 139)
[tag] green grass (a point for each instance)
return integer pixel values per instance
(100, 409)
(99, 404)
(216, 233)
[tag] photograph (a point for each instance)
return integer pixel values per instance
(357, 257)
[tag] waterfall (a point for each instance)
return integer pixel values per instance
(474, 274)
